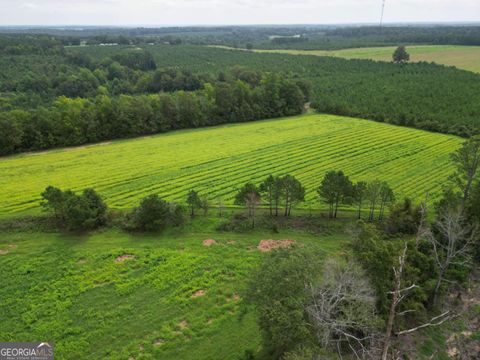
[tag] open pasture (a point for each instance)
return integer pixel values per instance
(462, 57)
(217, 161)
(113, 295)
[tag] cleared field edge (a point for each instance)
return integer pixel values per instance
(218, 160)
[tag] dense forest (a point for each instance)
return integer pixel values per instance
(54, 94)
(282, 37)
(40, 76)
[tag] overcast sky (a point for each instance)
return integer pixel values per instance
(211, 12)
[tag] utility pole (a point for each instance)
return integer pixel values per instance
(383, 12)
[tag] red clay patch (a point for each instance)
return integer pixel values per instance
(268, 245)
(209, 242)
(122, 258)
(198, 293)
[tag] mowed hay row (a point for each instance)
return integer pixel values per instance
(217, 161)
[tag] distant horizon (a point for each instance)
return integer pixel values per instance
(153, 26)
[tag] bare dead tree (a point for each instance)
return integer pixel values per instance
(452, 244)
(398, 295)
(342, 310)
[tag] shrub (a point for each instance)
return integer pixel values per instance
(154, 214)
(75, 212)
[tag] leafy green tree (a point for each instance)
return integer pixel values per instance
(404, 218)
(467, 161)
(270, 190)
(193, 201)
(54, 201)
(292, 192)
(177, 215)
(401, 55)
(11, 133)
(359, 193)
(378, 256)
(84, 212)
(387, 196)
(249, 196)
(335, 189)
(277, 290)
(373, 194)
(205, 204)
(76, 212)
(151, 215)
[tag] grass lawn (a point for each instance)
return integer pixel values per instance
(463, 57)
(77, 291)
(217, 161)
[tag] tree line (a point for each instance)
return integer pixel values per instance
(279, 194)
(78, 121)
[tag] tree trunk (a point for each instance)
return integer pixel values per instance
(336, 208)
(396, 293)
(372, 211)
(286, 205)
(437, 287)
(253, 218)
(382, 209)
(270, 202)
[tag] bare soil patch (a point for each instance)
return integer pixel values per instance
(199, 293)
(123, 258)
(183, 324)
(3, 252)
(268, 245)
(158, 342)
(209, 242)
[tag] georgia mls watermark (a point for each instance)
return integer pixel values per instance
(26, 351)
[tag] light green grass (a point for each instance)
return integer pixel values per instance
(462, 57)
(217, 161)
(70, 290)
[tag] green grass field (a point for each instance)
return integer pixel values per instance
(217, 161)
(462, 57)
(73, 291)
